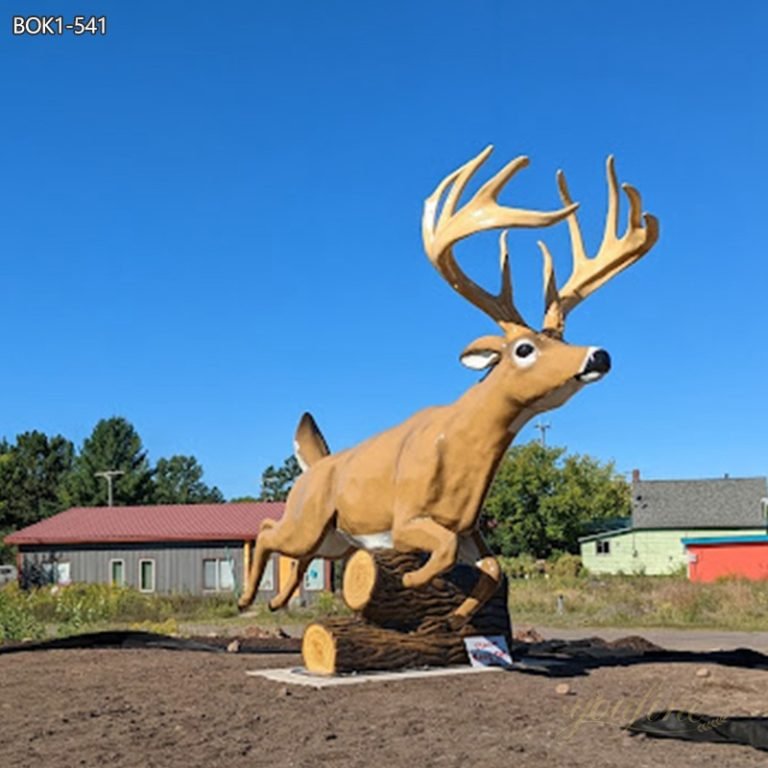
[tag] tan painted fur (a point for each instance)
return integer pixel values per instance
(425, 479)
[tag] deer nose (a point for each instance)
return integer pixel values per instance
(597, 365)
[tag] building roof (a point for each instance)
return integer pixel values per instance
(722, 503)
(167, 522)
(610, 534)
(699, 542)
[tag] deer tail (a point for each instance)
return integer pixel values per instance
(309, 445)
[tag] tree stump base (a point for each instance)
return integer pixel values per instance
(397, 628)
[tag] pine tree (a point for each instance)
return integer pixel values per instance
(114, 444)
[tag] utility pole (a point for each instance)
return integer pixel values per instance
(108, 475)
(542, 426)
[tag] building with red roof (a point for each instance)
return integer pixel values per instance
(182, 548)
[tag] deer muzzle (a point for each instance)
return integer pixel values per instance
(596, 365)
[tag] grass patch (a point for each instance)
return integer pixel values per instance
(588, 601)
(59, 611)
(641, 601)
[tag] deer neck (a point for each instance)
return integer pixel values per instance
(488, 418)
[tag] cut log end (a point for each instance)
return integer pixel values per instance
(318, 649)
(359, 580)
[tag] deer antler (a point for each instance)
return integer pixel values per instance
(615, 253)
(482, 212)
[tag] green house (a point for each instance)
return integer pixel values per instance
(666, 511)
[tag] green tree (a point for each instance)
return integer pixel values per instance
(542, 501)
(113, 445)
(276, 482)
(31, 472)
(179, 480)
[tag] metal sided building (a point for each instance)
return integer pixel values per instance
(201, 549)
(744, 557)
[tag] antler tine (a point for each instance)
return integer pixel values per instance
(615, 253)
(481, 213)
(462, 177)
(554, 319)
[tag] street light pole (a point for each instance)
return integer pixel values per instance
(543, 427)
(108, 475)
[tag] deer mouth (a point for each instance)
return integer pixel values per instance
(588, 378)
(597, 364)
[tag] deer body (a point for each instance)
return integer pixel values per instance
(420, 485)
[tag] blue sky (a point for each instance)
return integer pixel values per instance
(210, 219)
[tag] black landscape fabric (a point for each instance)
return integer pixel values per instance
(134, 639)
(690, 726)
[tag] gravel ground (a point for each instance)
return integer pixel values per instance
(177, 708)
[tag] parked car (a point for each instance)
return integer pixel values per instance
(8, 573)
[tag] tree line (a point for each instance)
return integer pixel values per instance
(41, 475)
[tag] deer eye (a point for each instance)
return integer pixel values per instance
(524, 353)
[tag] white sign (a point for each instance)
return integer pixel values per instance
(488, 651)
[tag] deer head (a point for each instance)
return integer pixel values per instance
(537, 369)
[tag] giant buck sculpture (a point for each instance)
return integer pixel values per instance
(420, 485)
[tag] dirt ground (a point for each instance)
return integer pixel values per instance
(164, 708)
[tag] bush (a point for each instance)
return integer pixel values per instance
(327, 604)
(521, 567)
(566, 566)
(16, 619)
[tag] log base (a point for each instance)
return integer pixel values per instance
(398, 628)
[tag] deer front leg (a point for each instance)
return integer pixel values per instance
(422, 534)
(473, 550)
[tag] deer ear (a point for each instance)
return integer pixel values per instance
(483, 352)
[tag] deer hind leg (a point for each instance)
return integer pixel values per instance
(425, 535)
(331, 546)
(258, 564)
(295, 536)
(298, 569)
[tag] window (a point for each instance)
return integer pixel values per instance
(603, 546)
(313, 578)
(146, 575)
(57, 572)
(209, 574)
(63, 573)
(218, 575)
(226, 575)
(117, 573)
(267, 582)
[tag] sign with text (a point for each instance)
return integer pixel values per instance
(488, 651)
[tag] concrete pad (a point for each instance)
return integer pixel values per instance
(300, 676)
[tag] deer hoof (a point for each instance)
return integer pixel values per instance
(408, 580)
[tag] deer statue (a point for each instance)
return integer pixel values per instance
(419, 486)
